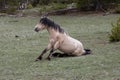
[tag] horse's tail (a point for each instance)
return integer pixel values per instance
(87, 51)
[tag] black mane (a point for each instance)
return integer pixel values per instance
(49, 23)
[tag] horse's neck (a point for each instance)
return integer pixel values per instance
(52, 32)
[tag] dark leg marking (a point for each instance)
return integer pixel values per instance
(40, 57)
(49, 56)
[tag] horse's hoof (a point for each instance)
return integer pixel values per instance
(48, 58)
(37, 60)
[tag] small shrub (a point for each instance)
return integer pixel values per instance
(57, 6)
(29, 6)
(115, 32)
(43, 9)
(11, 10)
(117, 8)
(52, 7)
(72, 5)
(81, 3)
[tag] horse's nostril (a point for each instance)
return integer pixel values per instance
(36, 29)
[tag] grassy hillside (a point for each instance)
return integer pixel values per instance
(17, 54)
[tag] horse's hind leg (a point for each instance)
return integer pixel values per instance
(78, 52)
(56, 54)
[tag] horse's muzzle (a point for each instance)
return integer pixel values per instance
(36, 29)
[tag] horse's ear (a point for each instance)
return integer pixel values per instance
(44, 16)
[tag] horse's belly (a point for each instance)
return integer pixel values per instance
(67, 48)
(69, 45)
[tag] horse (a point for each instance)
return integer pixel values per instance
(59, 40)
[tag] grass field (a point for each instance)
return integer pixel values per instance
(17, 55)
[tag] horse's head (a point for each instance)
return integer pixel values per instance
(47, 23)
(41, 25)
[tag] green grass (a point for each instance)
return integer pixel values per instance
(17, 55)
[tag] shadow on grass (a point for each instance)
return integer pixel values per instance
(63, 55)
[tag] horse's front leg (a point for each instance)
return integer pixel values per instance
(43, 52)
(49, 56)
(55, 47)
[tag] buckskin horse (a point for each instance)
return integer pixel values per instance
(59, 39)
